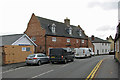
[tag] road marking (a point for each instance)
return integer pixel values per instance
(12, 70)
(92, 74)
(38, 66)
(42, 74)
(65, 65)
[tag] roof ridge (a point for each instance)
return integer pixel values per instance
(10, 35)
(101, 39)
(55, 21)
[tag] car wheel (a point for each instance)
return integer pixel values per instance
(72, 60)
(39, 63)
(65, 61)
(52, 62)
(27, 64)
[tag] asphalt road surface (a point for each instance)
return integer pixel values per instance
(80, 68)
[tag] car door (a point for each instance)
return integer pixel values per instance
(41, 57)
(44, 58)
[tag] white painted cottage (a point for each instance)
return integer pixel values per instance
(101, 46)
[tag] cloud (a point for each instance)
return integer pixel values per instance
(104, 5)
(106, 28)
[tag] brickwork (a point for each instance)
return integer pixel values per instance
(61, 42)
(90, 45)
(34, 29)
(45, 42)
(14, 54)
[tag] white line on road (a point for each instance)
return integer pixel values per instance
(65, 65)
(38, 66)
(42, 74)
(12, 70)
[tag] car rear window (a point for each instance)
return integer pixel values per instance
(57, 51)
(40, 55)
(31, 55)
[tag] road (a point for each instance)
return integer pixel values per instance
(80, 68)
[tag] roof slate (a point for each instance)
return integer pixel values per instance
(60, 28)
(98, 40)
(9, 39)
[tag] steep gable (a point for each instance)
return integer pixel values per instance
(34, 28)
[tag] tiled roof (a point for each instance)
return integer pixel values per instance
(9, 39)
(98, 40)
(61, 28)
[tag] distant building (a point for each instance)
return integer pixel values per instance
(15, 48)
(117, 43)
(111, 40)
(48, 34)
(100, 46)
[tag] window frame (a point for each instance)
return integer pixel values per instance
(68, 40)
(54, 39)
(118, 46)
(70, 31)
(80, 34)
(23, 48)
(53, 29)
(83, 41)
(77, 41)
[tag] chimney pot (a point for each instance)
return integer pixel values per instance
(92, 38)
(67, 21)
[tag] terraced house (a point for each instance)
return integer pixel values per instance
(117, 43)
(48, 33)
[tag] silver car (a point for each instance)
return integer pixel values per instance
(37, 59)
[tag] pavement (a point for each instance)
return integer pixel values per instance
(79, 69)
(108, 69)
(12, 66)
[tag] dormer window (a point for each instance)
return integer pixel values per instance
(70, 30)
(53, 28)
(80, 34)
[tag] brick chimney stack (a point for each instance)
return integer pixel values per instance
(67, 21)
(92, 38)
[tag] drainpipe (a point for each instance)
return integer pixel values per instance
(45, 43)
(114, 50)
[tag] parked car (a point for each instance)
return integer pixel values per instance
(112, 53)
(60, 55)
(38, 58)
(92, 53)
(82, 52)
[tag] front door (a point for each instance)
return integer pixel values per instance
(97, 51)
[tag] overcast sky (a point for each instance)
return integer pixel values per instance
(96, 17)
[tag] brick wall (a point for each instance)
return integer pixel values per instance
(61, 42)
(14, 53)
(34, 29)
(90, 45)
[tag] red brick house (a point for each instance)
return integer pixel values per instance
(48, 33)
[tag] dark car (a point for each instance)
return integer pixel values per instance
(60, 55)
(37, 59)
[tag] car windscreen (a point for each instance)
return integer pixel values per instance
(31, 55)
